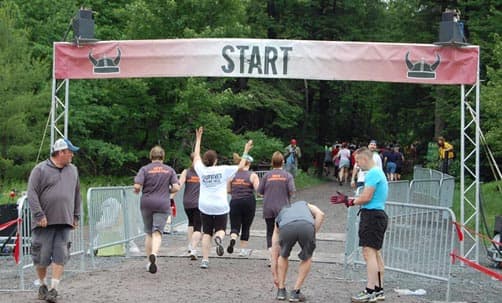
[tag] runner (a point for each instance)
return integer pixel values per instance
(213, 203)
(155, 181)
(277, 187)
(295, 223)
(242, 206)
(191, 181)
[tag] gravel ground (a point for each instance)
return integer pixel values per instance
(233, 279)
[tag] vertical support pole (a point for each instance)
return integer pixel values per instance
(462, 163)
(477, 181)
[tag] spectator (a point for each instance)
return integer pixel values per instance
(54, 199)
(292, 154)
(446, 155)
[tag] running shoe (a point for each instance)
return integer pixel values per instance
(152, 267)
(230, 248)
(204, 264)
(364, 296)
(281, 294)
(245, 252)
(380, 296)
(42, 292)
(193, 255)
(296, 296)
(219, 248)
(52, 296)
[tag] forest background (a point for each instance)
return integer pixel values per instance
(117, 121)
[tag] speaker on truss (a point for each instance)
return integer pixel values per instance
(83, 27)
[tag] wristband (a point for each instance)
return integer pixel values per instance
(244, 155)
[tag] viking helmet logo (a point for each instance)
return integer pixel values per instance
(105, 65)
(422, 69)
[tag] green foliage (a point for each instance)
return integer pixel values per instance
(117, 121)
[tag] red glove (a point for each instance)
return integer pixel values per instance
(340, 198)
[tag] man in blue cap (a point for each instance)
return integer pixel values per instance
(54, 199)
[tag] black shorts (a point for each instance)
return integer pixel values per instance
(213, 223)
(194, 220)
(372, 227)
(302, 232)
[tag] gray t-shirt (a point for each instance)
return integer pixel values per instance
(192, 188)
(298, 211)
(54, 192)
(156, 178)
(276, 187)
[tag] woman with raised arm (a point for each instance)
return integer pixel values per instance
(213, 203)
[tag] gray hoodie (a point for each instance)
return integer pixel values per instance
(54, 192)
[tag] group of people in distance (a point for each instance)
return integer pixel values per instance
(341, 158)
(54, 199)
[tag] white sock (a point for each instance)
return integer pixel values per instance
(54, 283)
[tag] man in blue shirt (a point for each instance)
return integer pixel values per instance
(372, 225)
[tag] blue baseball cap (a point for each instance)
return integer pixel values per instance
(62, 144)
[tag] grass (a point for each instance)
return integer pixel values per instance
(491, 202)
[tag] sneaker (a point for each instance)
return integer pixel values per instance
(152, 268)
(42, 292)
(296, 296)
(52, 296)
(190, 248)
(379, 295)
(230, 248)
(281, 294)
(193, 255)
(219, 248)
(245, 252)
(204, 264)
(364, 296)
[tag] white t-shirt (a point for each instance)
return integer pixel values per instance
(213, 187)
(378, 160)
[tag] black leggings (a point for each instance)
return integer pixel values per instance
(270, 230)
(241, 216)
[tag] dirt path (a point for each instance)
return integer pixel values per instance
(233, 279)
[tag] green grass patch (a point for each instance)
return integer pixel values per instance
(491, 200)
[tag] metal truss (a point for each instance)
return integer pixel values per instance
(469, 170)
(59, 109)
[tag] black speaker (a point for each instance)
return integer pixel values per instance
(451, 32)
(83, 25)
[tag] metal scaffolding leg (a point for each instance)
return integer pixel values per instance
(469, 171)
(59, 109)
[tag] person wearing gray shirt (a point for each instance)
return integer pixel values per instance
(54, 199)
(296, 223)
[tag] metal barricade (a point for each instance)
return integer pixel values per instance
(15, 278)
(436, 175)
(418, 241)
(114, 218)
(446, 191)
(421, 173)
(399, 191)
(424, 192)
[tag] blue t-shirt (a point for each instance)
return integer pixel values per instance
(376, 178)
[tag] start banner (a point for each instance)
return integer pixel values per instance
(262, 58)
